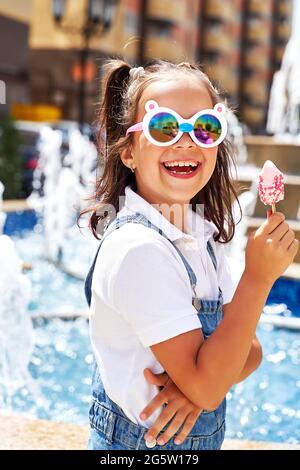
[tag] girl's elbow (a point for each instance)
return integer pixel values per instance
(207, 403)
(260, 355)
(212, 405)
(213, 396)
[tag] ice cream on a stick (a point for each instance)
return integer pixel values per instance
(271, 186)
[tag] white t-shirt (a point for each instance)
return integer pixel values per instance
(141, 295)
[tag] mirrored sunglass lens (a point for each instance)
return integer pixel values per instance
(207, 129)
(163, 127)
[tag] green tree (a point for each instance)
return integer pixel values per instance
(11, 164)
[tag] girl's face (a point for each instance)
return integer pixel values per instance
(154, 183)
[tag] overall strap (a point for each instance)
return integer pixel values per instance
(89, 277)
(214, 261)
(211, 254)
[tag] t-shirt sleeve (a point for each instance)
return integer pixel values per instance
(226, 278)
(149, 290)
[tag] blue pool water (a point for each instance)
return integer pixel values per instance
(286, 291)
(264, 407)
(60, 367)
(19, 222)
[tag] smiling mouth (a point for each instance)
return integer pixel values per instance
(181, 169)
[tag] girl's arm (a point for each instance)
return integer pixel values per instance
(179, 407)
(254, 358)
(205, 371)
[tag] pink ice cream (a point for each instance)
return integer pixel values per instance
(271, 187)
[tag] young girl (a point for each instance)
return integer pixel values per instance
(170, 332)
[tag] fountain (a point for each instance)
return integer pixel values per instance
(61, 185)
(284, 107)
(16, 332)
(283, 122)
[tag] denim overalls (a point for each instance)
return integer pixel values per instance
(110, 427)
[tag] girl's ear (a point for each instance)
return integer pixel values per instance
(127, 157)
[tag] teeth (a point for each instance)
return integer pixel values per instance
(171, 164)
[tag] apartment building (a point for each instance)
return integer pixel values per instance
(240, 44)
(14, 51)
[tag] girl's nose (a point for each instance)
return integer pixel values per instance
(185, 141)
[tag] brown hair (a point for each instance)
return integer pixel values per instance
(118, 111)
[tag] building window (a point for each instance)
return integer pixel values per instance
(159, 28)
(130, 22)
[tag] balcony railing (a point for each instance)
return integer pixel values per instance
(172, 10)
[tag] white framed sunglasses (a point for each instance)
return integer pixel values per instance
(164, 126)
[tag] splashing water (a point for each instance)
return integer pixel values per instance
(16, 332)
(284, 107)
(60, 188)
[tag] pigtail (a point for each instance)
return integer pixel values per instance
(113, 176)
(114, 84)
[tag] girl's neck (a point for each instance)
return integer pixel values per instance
(174, 212)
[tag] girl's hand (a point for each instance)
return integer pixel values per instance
(271, 249)
(177, 404)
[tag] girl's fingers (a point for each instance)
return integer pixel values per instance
(188, 426)
(294, 246)
(280, 231)
(288, 238)
(272, 223)
(156, 379)
(160, 422)
(155, 403)
(173, 427)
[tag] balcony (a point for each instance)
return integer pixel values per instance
(283, 30)
(259, 31)
(260, 7)
(171, 10)
(257, 90)
(212, 35)
(226, 12)
(279, 51)
(217, 71)
(257, 57)
(226, 77)
(253, 115)
(165, 48)
(286, 8)
(261, 97)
